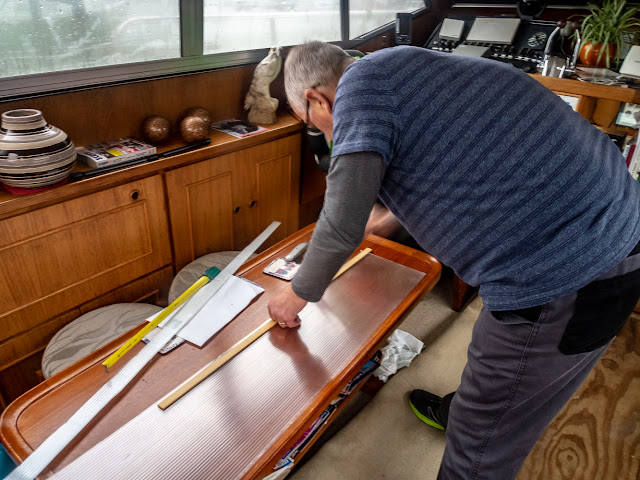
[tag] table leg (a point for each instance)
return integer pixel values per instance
(462, 293)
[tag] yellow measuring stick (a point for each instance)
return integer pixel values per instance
(201, 282)
(238, 347)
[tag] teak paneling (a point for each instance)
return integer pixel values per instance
(61, 256)
(221, 144)
(272, 171)
(19, 347)
(106, 113)
(201, 200)
(20, 377)
(152, 288)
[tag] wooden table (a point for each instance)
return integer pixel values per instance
(240, 421)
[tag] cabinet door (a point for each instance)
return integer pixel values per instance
(222, 203)
(56, 258)
(201, 207)
(268, 190)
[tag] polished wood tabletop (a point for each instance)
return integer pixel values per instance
(240, 421)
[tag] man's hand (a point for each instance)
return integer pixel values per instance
(284, 308)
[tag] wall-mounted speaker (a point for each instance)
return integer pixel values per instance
(403, 28)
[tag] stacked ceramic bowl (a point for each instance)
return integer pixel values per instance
(33, 154)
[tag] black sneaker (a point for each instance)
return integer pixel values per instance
(425, 405)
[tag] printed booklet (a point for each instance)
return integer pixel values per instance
(238, 128)
(114, 152)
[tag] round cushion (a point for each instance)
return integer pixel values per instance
(188, 275)
(91, 331)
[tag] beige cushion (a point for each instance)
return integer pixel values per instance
(91, 331)
(193, 271)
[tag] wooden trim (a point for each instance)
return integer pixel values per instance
(576, 87)
(19, 347)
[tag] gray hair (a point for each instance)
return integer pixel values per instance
(310, 65)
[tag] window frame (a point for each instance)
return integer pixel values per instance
(191, 61)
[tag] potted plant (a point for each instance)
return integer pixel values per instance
(604, 31)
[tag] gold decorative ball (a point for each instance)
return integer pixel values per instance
(156, 129)
(193, 129)
(198, 112)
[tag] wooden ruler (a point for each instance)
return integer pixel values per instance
(238, 347)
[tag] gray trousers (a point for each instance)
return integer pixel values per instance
(516, 379)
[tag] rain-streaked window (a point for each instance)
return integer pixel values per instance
(232, 25)
(52, 45)
(52, 35)
(367, 15)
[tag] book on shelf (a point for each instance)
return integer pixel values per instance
(114, 152)
(238, 128)
(633, 161)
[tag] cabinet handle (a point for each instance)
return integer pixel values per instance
(236, 210)
(253, 203)
(135, 195)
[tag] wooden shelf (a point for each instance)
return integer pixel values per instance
(609, 92)
(221, 143)
(617, 130)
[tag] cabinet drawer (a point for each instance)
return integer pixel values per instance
(61, 256)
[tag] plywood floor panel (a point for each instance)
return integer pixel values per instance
(596, 436)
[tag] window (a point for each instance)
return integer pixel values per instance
(58, 45)
(367, 15)
(53, 35)
(232, 25)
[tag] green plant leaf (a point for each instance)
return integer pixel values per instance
(609, 24)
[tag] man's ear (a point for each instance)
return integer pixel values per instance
(314, 95)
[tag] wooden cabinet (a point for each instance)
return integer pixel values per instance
(58, 258)
(224, 202)
(580, 103)
(121, 236)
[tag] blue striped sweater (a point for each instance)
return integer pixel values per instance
(491, 172)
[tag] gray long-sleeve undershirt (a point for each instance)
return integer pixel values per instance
(353, 184)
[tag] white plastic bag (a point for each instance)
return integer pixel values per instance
(401, 349)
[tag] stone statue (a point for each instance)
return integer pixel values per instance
(262, 107)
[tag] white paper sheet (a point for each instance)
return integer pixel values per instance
(229, 301)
